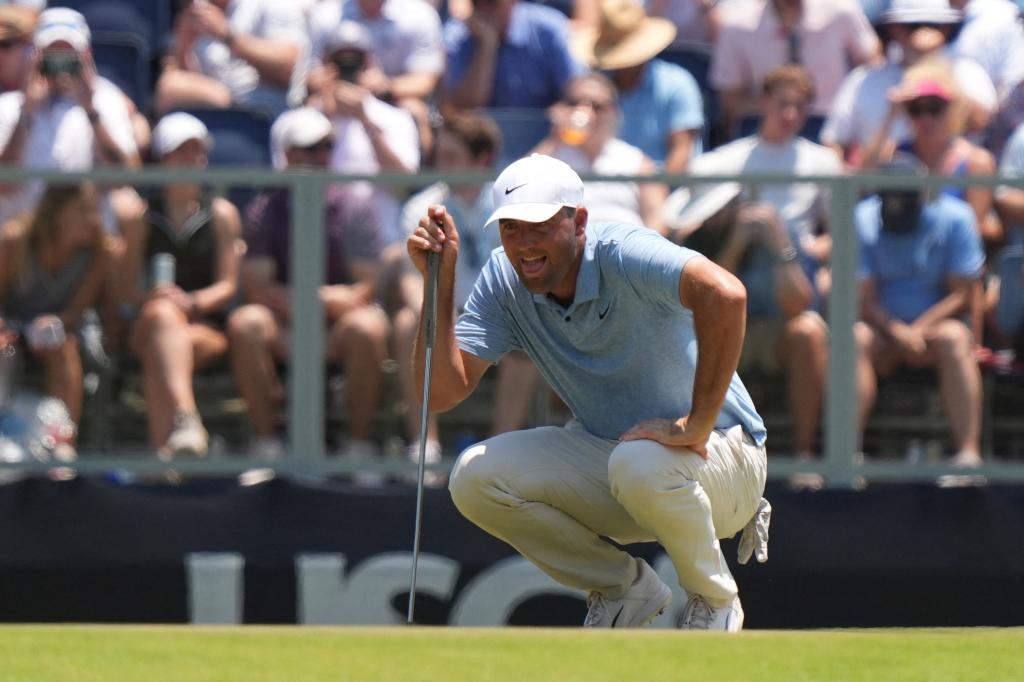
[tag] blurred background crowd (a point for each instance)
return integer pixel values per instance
(181, 284)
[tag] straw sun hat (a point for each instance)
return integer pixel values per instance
(627, 37)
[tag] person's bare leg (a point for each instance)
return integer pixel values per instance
(178, 88)
(359, 343)
(517, 381)
(252, 333)
(406, 323)
(63, 371)
(805, 339)
(951, 344)
(867, 378)
(161, 339)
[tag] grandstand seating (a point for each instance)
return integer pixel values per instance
(521, 130)
(149, 20)
(123, 59)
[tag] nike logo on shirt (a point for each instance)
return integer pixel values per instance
(600, 316)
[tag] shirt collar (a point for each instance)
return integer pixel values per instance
(588, 280)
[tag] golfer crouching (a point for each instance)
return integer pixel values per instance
(640, 338)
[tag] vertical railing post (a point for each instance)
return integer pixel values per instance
(306, 377)
(841, 423)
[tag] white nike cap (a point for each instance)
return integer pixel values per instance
(534, 188)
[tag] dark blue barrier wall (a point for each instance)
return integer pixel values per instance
(89, 550)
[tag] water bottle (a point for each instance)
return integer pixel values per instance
(162, 270)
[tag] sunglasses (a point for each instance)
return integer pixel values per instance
(325, 145)
(920, 24)
(10, 44)
(918, 108)
(597, 105)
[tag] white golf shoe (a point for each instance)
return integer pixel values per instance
(645, 600)
(698, 614)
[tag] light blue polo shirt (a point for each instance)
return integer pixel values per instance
(910, 270)
(666, 100)
(624, 350)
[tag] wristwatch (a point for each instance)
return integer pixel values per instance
(788, 254)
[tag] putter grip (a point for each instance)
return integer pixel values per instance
(430, 310)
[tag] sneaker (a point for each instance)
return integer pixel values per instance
(188, 437)
(431, 455)
(645, 600)
(698, 614)
(357, 451)
(267, 449)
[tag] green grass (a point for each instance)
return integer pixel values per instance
(254, 654)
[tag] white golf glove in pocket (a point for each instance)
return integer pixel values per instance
(754, 537)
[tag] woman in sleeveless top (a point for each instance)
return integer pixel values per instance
(55, 264)
(583, 135)
(929, 98)
(179, 324)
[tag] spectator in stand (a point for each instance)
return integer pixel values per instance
(55, 264)
(928, 97)
(407, 48)
(234, 53)
(920, 258)
(583, 135)
(16, 27)
(696, 21)
(920, 29)
(465, 141)
(357, 328)
(992, 35)
(508, 53)
(778, 248)
(65, 115)
(1006, 300)
(755, 36)
(661, 105)
(179, 323)
(372, 136)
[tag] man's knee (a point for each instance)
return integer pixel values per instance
(471, 474)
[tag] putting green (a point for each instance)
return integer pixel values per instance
(47, 653)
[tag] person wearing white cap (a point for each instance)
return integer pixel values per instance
(66, 116)
(357, 328)
(665, 443)
(179, 312)
(234, 53)
(921, 30)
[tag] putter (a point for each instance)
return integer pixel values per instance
(430, 313)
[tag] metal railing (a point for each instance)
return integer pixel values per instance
(839, 465)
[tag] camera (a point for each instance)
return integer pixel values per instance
(57, 63)
(349, 63)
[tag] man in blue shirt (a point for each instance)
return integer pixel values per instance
(507, 54)
(641, 339)
(919, 262)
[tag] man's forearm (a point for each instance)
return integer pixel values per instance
(273, 59)
(719, 318)
(474, 91)
(449, 384)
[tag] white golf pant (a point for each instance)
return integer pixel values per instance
(555, 494)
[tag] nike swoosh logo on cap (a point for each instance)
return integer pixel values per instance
(509, 190)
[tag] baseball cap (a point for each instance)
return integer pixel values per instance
(16, 23)
(301, 127)
(921, 12)
(62, 24)
(174, 130)
(534, 188)
(349, 35)
(931, 88)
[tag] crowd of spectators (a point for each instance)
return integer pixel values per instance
(622, 87)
